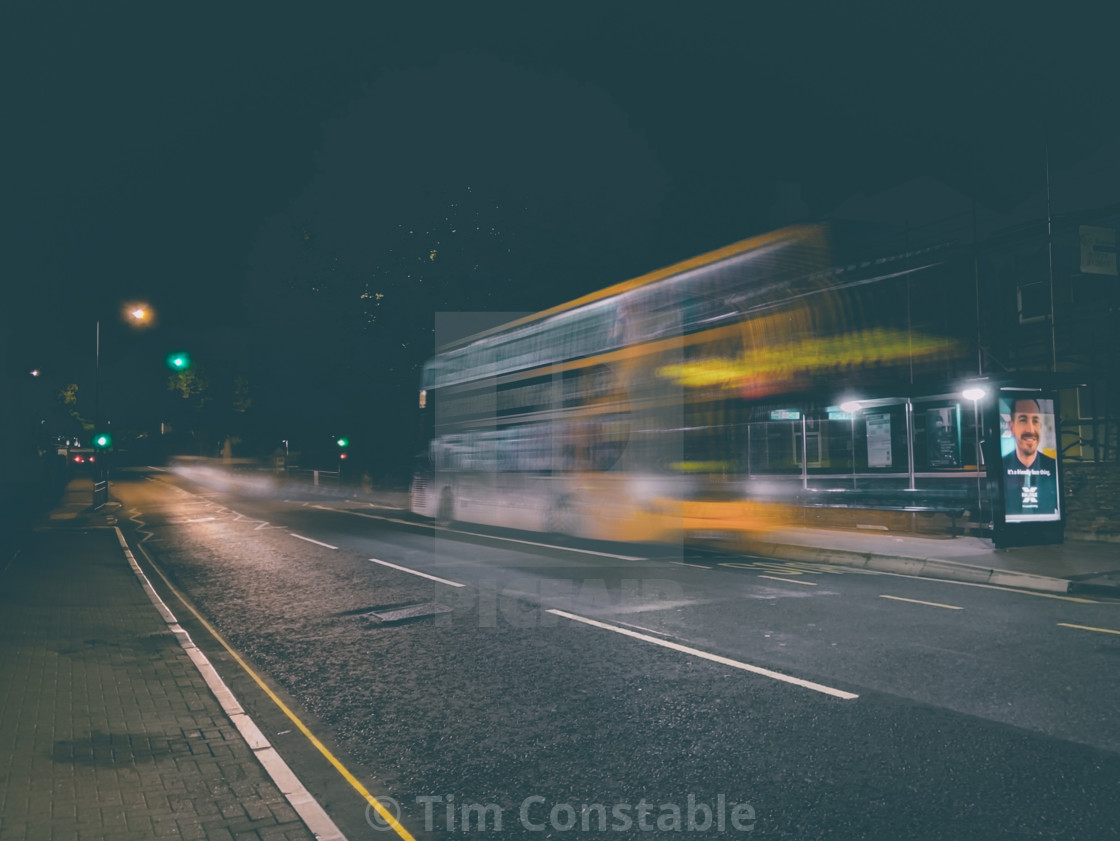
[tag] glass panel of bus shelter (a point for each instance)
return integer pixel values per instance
(880, 439)
(775, 446)
(939, 442)
(833, 441)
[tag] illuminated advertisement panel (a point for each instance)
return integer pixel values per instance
(1029, 456)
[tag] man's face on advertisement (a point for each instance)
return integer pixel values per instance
(1026, 426)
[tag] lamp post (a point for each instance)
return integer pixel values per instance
(851, 406)
(100, 474)
(140, 315)
(976, 394)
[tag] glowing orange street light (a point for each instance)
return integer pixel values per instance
(139, 314)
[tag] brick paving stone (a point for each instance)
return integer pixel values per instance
(217, 832)
(107, 730)
(190, 830)
(257, 810)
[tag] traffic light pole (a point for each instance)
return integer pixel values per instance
(100, 472)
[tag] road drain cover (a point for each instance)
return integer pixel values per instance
(406, 613)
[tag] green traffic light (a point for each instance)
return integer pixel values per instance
(102, 441)
(178, 361)
(343, 442)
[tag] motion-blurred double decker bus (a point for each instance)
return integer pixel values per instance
(709, 400)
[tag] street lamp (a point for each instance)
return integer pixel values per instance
(137, 314)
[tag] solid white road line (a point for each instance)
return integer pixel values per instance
(715, 658)
(549, 546)
(417, 572)
(487, 536)
(788, 569)
(789, 580)
(784, 570)
(1088, 628)
(309, 540)
(917, 601)
(1003, 587)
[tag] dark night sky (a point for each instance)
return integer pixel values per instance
(179, 153)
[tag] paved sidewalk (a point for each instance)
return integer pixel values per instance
(107, 728)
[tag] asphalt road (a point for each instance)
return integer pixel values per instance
(648, 693)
